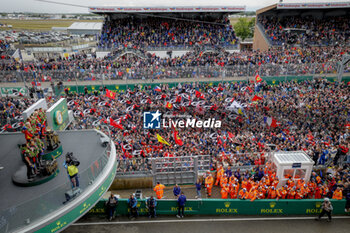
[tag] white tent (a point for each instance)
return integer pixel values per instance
(295, 164)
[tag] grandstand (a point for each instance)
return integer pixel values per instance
(185, 65)
(302, 24)
(167, 28)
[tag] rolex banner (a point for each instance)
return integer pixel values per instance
(57, 115)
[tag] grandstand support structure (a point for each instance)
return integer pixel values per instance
(341, 65)
(179, 170)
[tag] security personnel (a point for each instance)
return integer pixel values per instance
(223, 180)
(151, 204)
(159, 189)
(209, 182)
(272, 193)
(243, 194)
(224, 191)
(219, 174)
(337, 194)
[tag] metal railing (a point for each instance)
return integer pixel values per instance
(225, 45)
(155, 72)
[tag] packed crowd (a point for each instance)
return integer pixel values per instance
(309, 116)
(261, 183)
(11, 110)
(307, 30)
(197, 63)
(4, 48)
(160, 32)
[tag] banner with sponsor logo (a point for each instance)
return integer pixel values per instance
(313, 5)
(230, 207)
(57, 115)
(14, 91)
(167, 9)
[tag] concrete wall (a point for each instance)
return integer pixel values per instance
(132, 183)
(259, 41)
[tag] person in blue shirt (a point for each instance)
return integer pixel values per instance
(176, 190)
(132, 203)
(198, 188)
(181, 201)
(228, 172)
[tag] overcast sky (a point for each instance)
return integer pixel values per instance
(41, 7)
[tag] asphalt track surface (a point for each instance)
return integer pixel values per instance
(195, 224)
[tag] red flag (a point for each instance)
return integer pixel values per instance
(258, 79)
(110, 94)
(213, 107)
(250, 90)
(178, 99)
(219, 142)
(177, 138)
(256, 98)
(230, 135)
(115, 124)
(169, 105)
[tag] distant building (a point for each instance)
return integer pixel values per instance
(86, 28)
(59, 29)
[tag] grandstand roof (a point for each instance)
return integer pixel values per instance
(289, 157)
(304, 6)
(85, 26)
(313, 5)
(165, 9)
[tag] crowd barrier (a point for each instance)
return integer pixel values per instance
(100, 73)
(228, 207)
(123, 87)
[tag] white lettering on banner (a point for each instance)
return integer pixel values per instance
(209, 123)
(191, 122)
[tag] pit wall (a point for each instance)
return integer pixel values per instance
(229, 207)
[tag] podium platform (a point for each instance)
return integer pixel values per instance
(40, 208)
(20, 178)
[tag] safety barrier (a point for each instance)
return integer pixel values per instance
(229, 207)
(274, 80)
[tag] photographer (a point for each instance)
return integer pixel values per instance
(151, 204)
(72, 169)
(111, 204)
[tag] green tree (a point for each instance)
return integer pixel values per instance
(244, 28)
